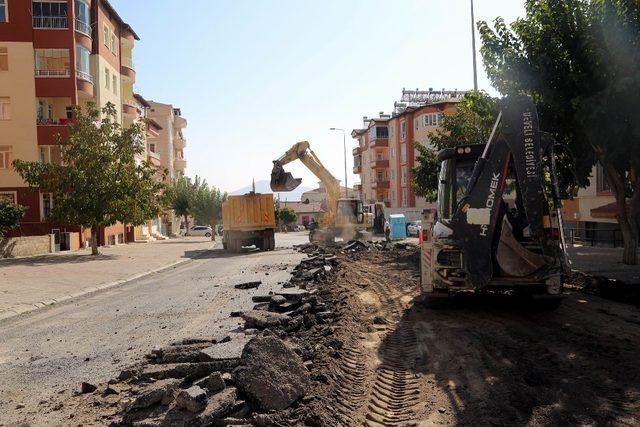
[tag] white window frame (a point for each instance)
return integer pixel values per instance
(14, 194)
(107, 77)
(404, 176)
(5, 108)
(113, 46)
(6, 155)
(403, 130)
(114, 85)
(4, 51)
(105, 33)
(403, 153)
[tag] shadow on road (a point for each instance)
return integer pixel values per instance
(503, 361)
(39, 261)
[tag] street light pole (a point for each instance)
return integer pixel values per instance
(344, 145)
(473, 45)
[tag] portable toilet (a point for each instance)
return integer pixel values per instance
(398, 226)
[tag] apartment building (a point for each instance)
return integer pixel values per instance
(168, 148)
(55, 54)
(386, 151)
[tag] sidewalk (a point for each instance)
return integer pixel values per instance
(606, 262)
(30, 283)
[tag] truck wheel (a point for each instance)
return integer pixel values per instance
(272, 242)
(224, 245)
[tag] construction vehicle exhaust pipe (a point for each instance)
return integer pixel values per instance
(282, 181)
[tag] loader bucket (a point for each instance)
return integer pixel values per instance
(282, 181)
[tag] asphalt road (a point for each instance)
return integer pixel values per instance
(45, 355)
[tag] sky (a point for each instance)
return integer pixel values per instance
(253, 77)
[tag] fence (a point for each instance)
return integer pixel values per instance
(594, 237)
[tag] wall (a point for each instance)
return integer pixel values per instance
(25, 246)
(19, 132)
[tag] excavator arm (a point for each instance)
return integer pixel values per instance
(282, 181)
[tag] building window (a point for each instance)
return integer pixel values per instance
(403, 131)
(4, 59)
(52, 62)
(392, 151)
(393, 174)
(107, 78)
(41, 154)
(5, 108)
(403, 153)
(83, 22)
(152, 148)
(49, 14)
(391, 129)
(602, 183)
(115, 84)
(46, 205)
(404, 198)
(4, 14)
(8, 197)
(113, 44)
(404, 176)
(5, 156)
(105, 33)
(82, 62)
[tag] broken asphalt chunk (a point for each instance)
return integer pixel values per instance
(248, 285)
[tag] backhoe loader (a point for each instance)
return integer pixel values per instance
(498, 225)
(344, 217)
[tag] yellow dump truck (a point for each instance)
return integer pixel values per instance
(249, 220)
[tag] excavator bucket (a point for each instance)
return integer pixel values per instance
(513, 258)
(282, 181)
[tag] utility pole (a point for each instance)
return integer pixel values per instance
(473, 43)
(344, 145)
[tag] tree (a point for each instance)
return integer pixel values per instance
(10, 216)
(579, 60)
(98, 181)
(470, 124)
(287, 216)
(180, 196)
(207, 205)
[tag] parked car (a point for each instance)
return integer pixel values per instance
(200, 230)
(413, 228)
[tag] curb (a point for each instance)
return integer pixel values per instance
(28, 308)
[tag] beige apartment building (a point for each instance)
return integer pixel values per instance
(168, 148)
(386, 151)
(55, 54)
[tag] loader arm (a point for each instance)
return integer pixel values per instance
(283, 181)
(478, 214)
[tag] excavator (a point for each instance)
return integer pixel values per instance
(498, 225)
(345, 217)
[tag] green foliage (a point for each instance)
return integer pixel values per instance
(10, 216)
(471, 124)
(99, 181)
(579, 60)
(207, 204)
(180, 195)
(287, 216)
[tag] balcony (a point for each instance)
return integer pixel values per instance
(83, 28)
(179, 164)
(127, 69)
(380, 164)
(85, 83)
(381, 184)
(357, 187)
(357, 169)
(154, 158)
(379, 142)
(48, 129)
(179, 142)
(357, 151)
(130, 108)
(180, 122)
(53, 73)
(50, 22)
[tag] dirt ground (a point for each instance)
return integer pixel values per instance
(480, 360)
(386, 360)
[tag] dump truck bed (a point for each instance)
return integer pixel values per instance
(249, 212)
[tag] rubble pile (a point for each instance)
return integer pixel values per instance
(261, 378)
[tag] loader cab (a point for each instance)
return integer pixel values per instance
(456, 167)
(349, 211)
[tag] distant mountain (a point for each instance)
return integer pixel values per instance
(263, 186)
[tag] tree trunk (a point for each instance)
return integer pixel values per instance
(626, 219)
(94, 240)
(186, 225)
(213, 224)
